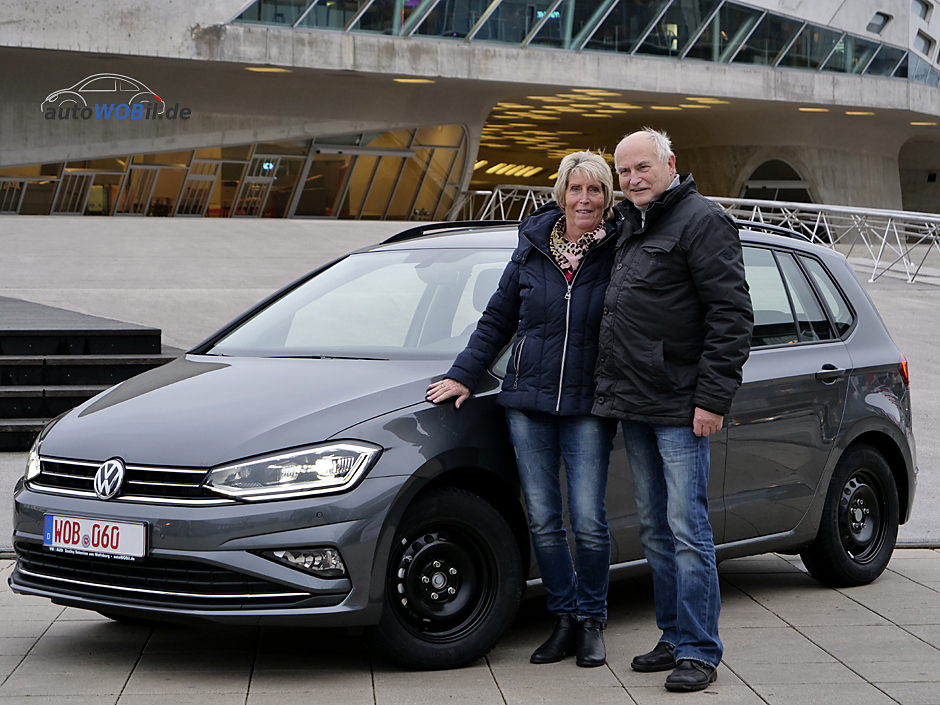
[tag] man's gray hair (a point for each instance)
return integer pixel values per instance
(661, 143)
(592, 165)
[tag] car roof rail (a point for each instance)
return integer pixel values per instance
(771, 229)
(422, 230)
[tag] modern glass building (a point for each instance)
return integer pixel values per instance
(399, 175)
(394, 109)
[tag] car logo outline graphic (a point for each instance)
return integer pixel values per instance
(109, 478)
(98, 85)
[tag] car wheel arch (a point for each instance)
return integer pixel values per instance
(494, 490)
(887, 440)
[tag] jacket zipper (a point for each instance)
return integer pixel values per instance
(517, 359)
(564, 349)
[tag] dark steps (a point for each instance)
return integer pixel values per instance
(52, 360)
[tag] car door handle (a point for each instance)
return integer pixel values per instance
(829, 373)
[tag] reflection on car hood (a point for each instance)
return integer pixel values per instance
(201, 411)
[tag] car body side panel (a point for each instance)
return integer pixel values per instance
(782, 427)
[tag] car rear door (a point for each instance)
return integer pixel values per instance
(787, 413)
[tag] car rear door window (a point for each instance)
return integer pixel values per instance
(839, 308)
(773, 317)
(810, 317)
(786, 308)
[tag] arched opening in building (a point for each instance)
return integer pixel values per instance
(775, 180)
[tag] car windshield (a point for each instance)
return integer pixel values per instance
(376, 305)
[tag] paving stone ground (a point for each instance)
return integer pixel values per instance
(788, 641)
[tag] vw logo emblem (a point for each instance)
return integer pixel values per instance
(109, 478)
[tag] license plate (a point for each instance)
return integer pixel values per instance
(94, 536)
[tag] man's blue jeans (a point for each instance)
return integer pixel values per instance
(584, 442)
(670, 473)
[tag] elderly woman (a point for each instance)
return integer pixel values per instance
(551, 295)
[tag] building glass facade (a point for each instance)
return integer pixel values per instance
(709, 30)
(407, 174)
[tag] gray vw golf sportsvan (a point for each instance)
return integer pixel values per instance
(289, 470)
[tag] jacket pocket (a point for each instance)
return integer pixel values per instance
(517, 361)
(657, 367)
(659, 262)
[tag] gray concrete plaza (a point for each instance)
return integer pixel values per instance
(788, 640)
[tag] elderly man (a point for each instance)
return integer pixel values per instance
(674, 337)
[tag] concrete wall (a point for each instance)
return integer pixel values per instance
(836, 177)
(917, 161)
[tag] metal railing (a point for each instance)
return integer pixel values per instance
(894, 240)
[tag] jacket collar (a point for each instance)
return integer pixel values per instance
(666, 200)
(537, 228)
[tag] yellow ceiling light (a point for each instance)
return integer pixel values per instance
(512, 105)
(481, 162)
(565, 109)
(813, 110)
(595, 115)
(553, 176)
(567, 132)
(515, 170)
(623, 106)
(594, 91)
(858, 112)
(924, 124)
(712, 101)
(493, 168)
(665, 107)
(576, 96)
(544, 117)
(267, 69)
(583, 106)
(413, 80)
(503, 169)
(695, 106)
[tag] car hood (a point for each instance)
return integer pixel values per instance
(202, 411)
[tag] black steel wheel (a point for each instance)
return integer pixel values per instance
(453, 584)
(859, 526)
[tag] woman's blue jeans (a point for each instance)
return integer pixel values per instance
(670, 473)
(584, 442)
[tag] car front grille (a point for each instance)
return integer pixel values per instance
(141, 484)
(153, 580)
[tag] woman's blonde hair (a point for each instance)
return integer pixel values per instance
(592, 165)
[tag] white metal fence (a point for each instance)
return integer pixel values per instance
(894, 240)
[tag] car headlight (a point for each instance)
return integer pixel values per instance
(324, 468)
(32, 461)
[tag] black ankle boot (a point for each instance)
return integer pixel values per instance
(560, 644)
(590, 644)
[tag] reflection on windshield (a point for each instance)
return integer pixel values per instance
(377, 305)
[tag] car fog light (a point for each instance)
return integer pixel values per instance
(323, 562)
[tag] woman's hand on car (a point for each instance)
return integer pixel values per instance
(446, 389)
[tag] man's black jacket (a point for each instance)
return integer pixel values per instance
(552, 365)
(677, 317)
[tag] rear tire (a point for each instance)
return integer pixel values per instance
(859, 526)
(453, 584)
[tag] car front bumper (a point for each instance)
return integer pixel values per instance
(207, 563)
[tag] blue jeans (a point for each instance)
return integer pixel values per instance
(584, 442)
(670, 472)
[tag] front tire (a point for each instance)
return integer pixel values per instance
(453, 584)
(859, 526)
